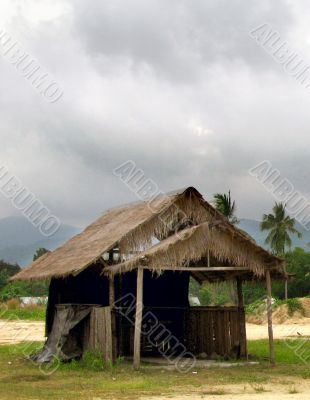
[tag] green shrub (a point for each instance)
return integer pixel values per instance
(294, 305)
(255, 306)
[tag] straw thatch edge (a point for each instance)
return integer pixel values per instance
(191, 244)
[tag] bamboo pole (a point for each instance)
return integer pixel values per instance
(269, 315)
(138, 321)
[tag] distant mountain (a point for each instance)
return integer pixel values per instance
(252, 228)
(19, 239)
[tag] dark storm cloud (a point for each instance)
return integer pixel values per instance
(179, 87)
(178, 39)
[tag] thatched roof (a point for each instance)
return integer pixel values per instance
(132, 229)
(191, 245)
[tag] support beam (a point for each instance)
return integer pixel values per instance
(113, 321)
(113, 270)
(111, 291)
(241, 318)
(269, 315)
(138, 321)
(120, 318)
(203, 269)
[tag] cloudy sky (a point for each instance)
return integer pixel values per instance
(177, 86)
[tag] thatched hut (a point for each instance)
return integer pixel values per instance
(132, 266)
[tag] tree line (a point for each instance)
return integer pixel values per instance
(10, 290)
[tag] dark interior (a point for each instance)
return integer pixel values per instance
(165, 298)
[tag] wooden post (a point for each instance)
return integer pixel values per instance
(269, 315)
(120, 346)
(113, 322)
(286, 290)
(138, 321)
(111, 292)
(241, 320)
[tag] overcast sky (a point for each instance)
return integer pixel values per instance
(179, 87)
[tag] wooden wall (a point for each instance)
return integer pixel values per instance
(210, 330)
(213, 331)
(98, 333)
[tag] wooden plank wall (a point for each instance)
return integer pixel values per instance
(98, 336)
(213, 331)
(209, 330)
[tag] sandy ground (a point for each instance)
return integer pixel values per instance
(20, 331)
(279, 331)
(272, 391)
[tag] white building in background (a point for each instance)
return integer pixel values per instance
(25, 301)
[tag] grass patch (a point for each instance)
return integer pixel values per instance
(92, 378)
(92, 361)
(31, 312)
(288, 351)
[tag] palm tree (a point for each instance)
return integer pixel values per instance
(226, 206)
(279, 225)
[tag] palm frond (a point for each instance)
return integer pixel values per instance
(224, 204)
(279, 226)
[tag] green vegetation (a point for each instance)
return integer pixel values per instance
(298, 263)
(12, 310)
(255, 291)
(11, 290)
(279, 226)
(40, 252)
(6, 271)
(253, 308)
(92, 361)
(289, 351)
(24, 289)
(21, 379)
(213, 294)
(293, 305)
(258, 307)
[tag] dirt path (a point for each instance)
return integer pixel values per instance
(19, 331)
(279, 331)
(245, 391)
